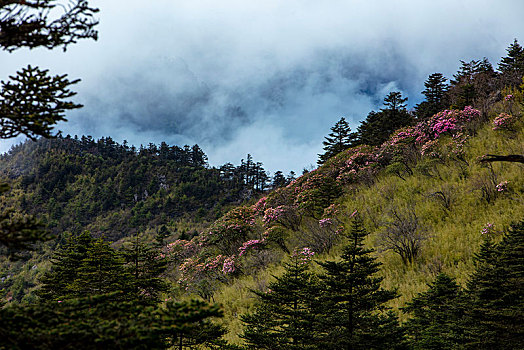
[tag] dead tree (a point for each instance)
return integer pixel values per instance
(403, 234)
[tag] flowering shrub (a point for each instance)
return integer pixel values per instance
(284, 215)
(249, 245)
(504, 121)
(315, 192)
(503, 186)
(508, 97)
(430, 149)
(228, 232)
(272, 215)
(260, 206)
(488, 228)
(332, 210)
(228, 267)
(450, 121)
(303, 255)
(446, 122)
(325, 222)
(198, 275)
(180, 249)
(456, 146)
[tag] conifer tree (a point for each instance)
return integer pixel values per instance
(377, 126)
(495, 304)
(279, 180)
(514, 61)
(145, 265)
(436, 316)
(352, 302)
(370, 131)
(285, 313)
(395, 113)
(65, 262)
(435, 93)
(84, 267)
(338, 140)
(103, 322)
(100, 272)
(471, 83)
(33, 101)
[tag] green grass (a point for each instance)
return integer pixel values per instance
(453, 235)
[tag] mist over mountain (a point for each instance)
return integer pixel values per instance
(239, 78)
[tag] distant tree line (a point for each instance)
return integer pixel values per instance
(73, 180)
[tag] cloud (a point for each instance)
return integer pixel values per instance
(264, 77)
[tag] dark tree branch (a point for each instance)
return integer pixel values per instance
(516, 158)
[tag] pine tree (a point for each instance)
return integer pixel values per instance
(435, 94)
(436, 316)
(84, 267)
(378, 126)
(338, 140)
(284, 316)
(100, 272)
(56, 283)
(514, 61)
(495, 304)
(33, 101)
(145, 266)
(352, 302)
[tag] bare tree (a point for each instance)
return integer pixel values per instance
(403, 234)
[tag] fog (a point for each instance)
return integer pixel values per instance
(263, 77)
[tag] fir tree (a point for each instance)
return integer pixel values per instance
(56, 283)
(436, 316)
(145, 266)
(352, 302)
(495, 305)
(103, 322)
(33, 101)
(469, 84)
(370, 131)
(338, 140)
(378, 126)
(279, 180)
(84, 267)
(435, 93)
(284, 316)
(161, 235)
(514, 61)
(100, 272)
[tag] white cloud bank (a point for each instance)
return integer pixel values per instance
(263, 77)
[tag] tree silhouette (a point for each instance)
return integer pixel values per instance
(339, 139)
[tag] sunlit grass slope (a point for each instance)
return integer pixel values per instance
(453, 200)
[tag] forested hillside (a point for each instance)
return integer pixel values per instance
(409, 234)
(116, 190)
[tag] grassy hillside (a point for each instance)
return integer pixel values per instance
(455, 200)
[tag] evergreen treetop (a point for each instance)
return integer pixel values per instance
(514, 61)
(353, 313)
(339, 139)
(284, 317)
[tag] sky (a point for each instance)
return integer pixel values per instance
(264, 77)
